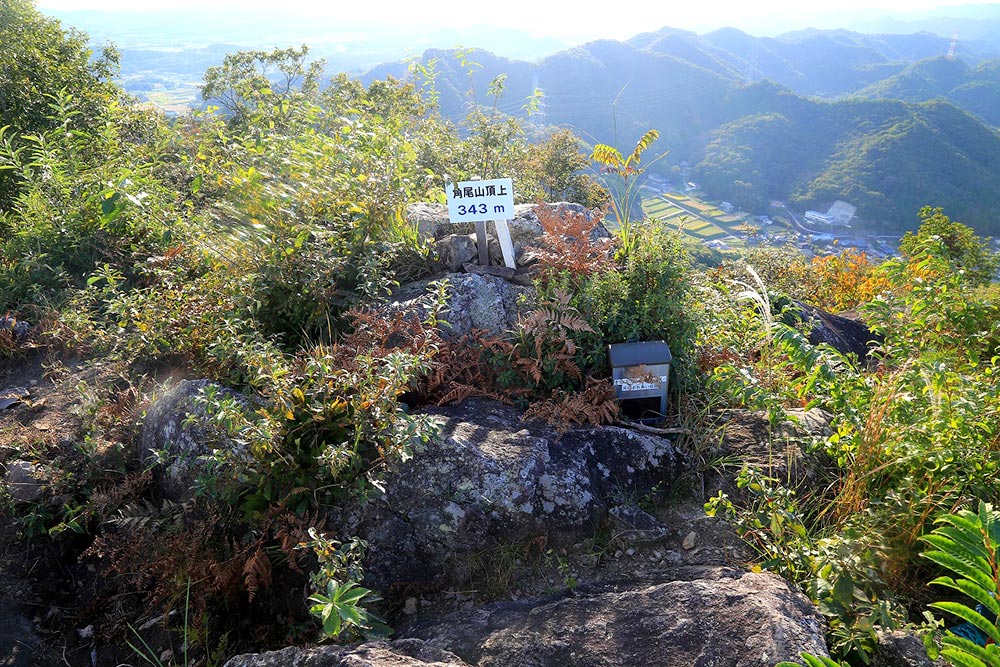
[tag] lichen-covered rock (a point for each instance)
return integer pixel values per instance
(525, 229)
(902, 649)
(715, 617)
(428, 218)
(454, 250)
(398, 653)
(489, 479)
(814, 422)
(176, 423)
(474, 302)
(632, 524)
(18, 329)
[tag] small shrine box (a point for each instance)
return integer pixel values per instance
(641, 370)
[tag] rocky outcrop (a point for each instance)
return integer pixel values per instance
(25, 481)
(454, 250)
(474, 302)
(432, 222)
(525, 229)
(847, 336)
(707, 617)
(16, 329)
(176, 424)
(902, 649)
(489, 479)
(398, 653)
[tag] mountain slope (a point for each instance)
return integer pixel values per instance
(752, 143)
(976, 90)
(887, 157)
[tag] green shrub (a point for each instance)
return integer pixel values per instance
(647, 295)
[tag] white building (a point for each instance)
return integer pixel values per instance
(842, 213)
(819, 218)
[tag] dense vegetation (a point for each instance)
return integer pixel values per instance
(258, 247)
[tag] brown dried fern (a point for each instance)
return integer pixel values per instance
(568, 243)
(596, 405)
(257, 572)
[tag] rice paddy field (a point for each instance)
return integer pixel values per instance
(697, 219)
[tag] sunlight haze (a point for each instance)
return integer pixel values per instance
(582, 22)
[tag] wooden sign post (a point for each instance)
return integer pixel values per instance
(479, 201)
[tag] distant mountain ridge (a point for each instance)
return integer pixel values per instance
(798, 117)
(975, 89)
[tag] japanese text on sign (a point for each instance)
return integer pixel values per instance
(474, 201)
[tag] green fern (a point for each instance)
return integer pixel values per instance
(811, 660)
(966, 543)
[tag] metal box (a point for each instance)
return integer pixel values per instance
(641, 370)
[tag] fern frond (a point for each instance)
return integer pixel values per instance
(947, 538)
(971, 615)
(974, 569)
(608, 156)
(645, 141)
(964, 653)
(257, 572)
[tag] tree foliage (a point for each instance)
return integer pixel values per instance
(249, 83)
(968, 254)
(39, 58)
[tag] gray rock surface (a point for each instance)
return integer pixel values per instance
(715, 617)
(902, 649)
(18, 329)
(428, 218)
(490, 480)
(398, 653)
(176, 424)
(474, 302)
(454, 250)
(525, 229)
(25, 481)
(845, 335)
(11, 396)
(632, 524)
(814, 422)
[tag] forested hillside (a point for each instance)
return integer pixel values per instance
(884, 155)
(755, 142)
(977, 90)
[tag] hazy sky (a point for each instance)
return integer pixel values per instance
(564, 20)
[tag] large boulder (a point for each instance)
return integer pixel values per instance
(26, 481)
(398, 653)
(525, 229)
(474, 302)
(900, 648)
(428, 219)
(432, 222)
(714, 617)
(177, 426)
(490, 479)
(847, 336)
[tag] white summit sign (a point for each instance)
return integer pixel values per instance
(480, 201)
